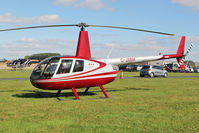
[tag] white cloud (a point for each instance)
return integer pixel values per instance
(28, 46)
(148, 46)
(193, 39)
(9, 18)
(64, 2)
(110, 45)
(90, 4)
(190, 3)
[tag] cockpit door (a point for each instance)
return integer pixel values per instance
(45, 69)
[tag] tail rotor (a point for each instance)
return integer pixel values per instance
(189, 49)
(182, 59)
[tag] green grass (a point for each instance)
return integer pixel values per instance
(171, 74)
(15, 74)
(135, 105)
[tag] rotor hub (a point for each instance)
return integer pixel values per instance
(82, 25)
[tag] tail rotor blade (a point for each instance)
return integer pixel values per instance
(189, 49)
(183, 58)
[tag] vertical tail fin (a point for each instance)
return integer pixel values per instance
(181, 46)
(180, 53)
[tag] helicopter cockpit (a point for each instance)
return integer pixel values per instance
(45, 69)
(56, 66)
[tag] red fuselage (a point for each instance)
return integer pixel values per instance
(78, 73)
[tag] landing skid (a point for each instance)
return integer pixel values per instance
(76, 94)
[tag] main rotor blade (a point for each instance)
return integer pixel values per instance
(34, 27)
(126, 28)
(83, 25)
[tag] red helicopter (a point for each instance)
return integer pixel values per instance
(81, 71)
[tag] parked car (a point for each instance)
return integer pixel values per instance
(195, 69)
(123, 67)
(131, 68)
(153, 71)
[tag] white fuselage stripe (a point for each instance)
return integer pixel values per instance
(58, 80)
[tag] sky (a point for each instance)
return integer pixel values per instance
(180, 17)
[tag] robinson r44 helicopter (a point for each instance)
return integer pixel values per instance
(80, 71)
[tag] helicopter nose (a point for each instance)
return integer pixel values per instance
(35, 84)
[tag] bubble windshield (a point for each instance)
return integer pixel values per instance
(45, 69)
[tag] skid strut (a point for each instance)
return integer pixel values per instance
(58, 93)
(103, 90)
(75, 93)
(86, 90)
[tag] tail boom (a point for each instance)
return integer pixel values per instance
(131, 60)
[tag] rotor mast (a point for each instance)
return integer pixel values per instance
(83, 47)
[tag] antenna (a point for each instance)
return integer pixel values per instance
(110, 52)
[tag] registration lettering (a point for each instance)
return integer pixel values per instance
(122, 60)
(130, 59)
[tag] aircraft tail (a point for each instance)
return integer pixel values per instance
(180, 53)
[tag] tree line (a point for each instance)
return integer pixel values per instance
(41, 56)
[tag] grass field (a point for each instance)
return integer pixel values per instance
(135, 105)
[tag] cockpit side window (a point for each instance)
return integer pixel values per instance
(79, 66)
(50, 68)
(65, 66)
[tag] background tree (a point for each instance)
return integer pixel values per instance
(42, 56)
(3, 60)
(189, 63)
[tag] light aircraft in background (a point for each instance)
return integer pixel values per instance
(81, 71)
